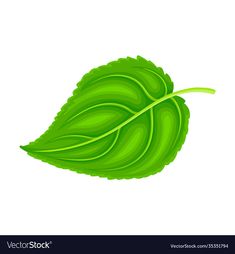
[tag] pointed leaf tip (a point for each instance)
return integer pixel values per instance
(25, 148)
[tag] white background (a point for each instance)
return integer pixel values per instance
(45, 49)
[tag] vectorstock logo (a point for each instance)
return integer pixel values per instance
(29, 245)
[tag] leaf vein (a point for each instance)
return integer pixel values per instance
(130, 78)
(100, 105)
(146, 147)
(98, 156)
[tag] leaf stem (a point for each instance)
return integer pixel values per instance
(196, 89)
(187, 90)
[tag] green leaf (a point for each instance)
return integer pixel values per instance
(123, 121)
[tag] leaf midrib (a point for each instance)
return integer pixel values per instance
(156, 102)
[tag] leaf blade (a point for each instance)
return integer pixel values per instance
(108, 127)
